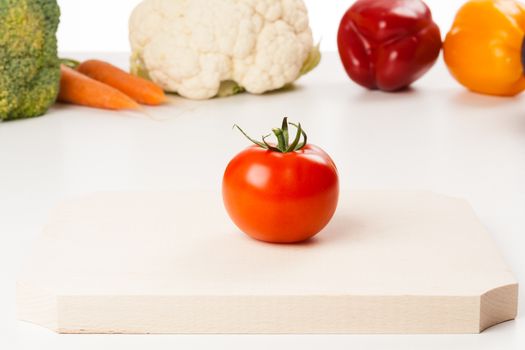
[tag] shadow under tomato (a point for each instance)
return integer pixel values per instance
(341, 228)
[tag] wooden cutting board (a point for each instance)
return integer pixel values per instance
(172, 262)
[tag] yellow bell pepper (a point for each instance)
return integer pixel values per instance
(484, 48)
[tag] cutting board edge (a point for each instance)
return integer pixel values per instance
(498, 305)
(316, 314)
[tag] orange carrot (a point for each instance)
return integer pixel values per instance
(141, 90)
(80, 89)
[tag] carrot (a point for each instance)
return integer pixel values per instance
(141, 90)
(80, 89)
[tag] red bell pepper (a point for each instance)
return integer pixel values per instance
(388, 44)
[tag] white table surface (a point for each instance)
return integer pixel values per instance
(436, 136)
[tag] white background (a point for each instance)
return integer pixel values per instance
(102, 25)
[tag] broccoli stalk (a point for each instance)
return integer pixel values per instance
(29, 65)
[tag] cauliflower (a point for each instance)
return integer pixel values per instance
(205, 48)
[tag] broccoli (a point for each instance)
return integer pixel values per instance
(29, 65)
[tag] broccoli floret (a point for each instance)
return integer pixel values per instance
(29, 65)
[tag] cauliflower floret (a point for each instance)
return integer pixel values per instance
(197, 47)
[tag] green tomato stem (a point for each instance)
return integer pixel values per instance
(284, 128)
(305, 138)
(281, 142)
(296, 140)
(260, 144)
(283, 138)
(270, 147)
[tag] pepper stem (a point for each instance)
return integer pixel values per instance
(283, 138)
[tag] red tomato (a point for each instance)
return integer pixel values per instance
(281, 197)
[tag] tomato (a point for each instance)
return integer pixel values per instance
(281, 197)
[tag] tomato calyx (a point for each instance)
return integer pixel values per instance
(283, 138)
